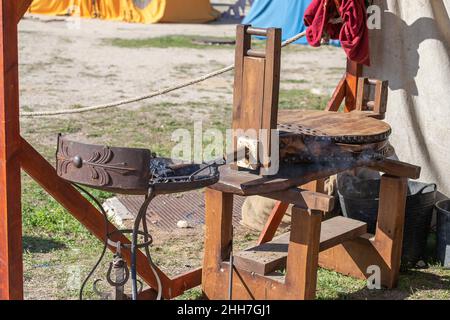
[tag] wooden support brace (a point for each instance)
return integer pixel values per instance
(273, 222)
(338, 96)
(22, 8)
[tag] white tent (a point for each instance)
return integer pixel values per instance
(412, 51)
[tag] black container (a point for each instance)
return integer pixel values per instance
(361, 203)
(443, 232)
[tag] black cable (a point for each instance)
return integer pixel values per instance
(150, 261)
(141, 214)
(105, 246)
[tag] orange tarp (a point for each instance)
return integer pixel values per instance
(143, 11)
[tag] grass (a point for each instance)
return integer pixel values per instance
(172, 41)
(59, 251)
(302, 99)
(189, 42)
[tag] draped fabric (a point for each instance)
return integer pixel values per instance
(321, 19)
(142, 11)
(412, 52)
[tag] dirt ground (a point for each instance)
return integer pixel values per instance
(63, 67)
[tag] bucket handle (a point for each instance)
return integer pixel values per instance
(426, 187)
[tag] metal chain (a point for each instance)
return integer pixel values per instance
(148, 96)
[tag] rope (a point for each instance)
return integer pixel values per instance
(148, 96)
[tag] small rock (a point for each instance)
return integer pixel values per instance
(421, 264)
(182, 224)
(316, 91)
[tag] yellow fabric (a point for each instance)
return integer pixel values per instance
(178, 11)
(83, 8)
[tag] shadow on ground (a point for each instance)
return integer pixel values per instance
(41, 245)
(410, 283)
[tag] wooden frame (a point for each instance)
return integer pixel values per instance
(17, 153)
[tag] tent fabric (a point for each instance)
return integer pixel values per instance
(287, 15)
(140, 11)
(83, 8)
(412, 52)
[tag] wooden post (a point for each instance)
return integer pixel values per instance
(218, 237)
(11, 267)
(303, 255)
(391, 220)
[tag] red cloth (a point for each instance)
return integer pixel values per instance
(353, 32)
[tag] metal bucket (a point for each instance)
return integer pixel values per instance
(420, 202)
(443, 232)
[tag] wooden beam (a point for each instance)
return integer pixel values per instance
(397, 168)
(304, 199)
(22, 8)
(63, 192)
(11, 266)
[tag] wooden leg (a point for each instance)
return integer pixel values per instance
(303, 253)
(11, 266)
(391, 220)
(218, 238)
(274, 221)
